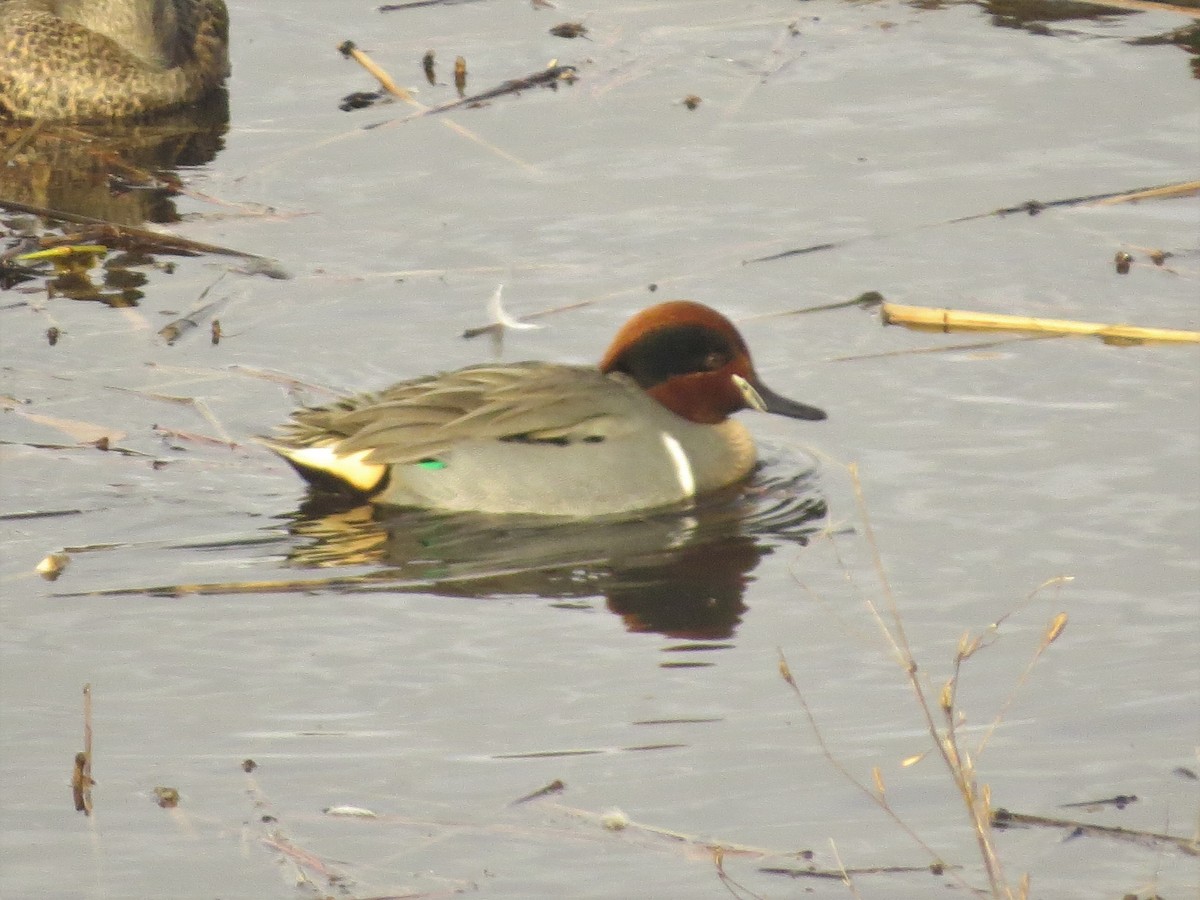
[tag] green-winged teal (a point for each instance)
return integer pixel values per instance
(649, 427)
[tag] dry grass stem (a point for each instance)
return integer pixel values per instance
(1055, 628)
(846, 879)
(878, 799)
(734, 887)
(1167, 191)
(927, 318)
(958, 764)
(377, 72)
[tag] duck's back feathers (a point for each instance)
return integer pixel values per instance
(416, 420)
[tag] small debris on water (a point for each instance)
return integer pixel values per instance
(460, 76)
(691, 101)
(81, 783)
(569, 30)
(52, 566)
(615, 820)
(1120, 802)
(353, 812)
(360, 100)
(166, 797)
(554, 787)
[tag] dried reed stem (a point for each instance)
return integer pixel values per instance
(959, 766)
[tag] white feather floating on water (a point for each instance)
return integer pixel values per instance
(501, 316)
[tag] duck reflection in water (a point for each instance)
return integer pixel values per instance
(681, 572)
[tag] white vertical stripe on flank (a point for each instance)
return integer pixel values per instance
(683, 468)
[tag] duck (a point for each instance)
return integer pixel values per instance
(648, 427)
(101, 60)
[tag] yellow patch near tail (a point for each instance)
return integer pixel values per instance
(350, 468)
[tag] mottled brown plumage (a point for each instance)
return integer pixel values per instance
(94, 60)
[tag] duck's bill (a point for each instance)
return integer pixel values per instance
(759, 396)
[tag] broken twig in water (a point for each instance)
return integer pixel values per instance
(1031, 207)
(554, 787)
(840, 873)
(176, 329)
(1166, 192)
(548, 77)
(927, 318)
(1002, 818)
(417, 4)
(112, 235)
(350, 51)
(347, 48)
(866, 300)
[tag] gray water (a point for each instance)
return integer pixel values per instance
(435, 680)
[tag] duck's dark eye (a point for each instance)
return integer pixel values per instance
(715, 360)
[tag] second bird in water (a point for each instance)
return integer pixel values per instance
(93, 60)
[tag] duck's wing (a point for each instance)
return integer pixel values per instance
(415, 420)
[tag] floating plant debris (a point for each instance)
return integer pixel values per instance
(569, 30)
